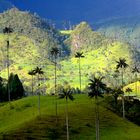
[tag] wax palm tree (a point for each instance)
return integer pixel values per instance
(8, 31)
(128, 90)
(96, 89)
(32, 73)
(79, 55)
(136, 71)
(39, 72)
(121, 64)
(67, 94)
(54, 52)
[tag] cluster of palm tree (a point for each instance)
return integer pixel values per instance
(122, 65)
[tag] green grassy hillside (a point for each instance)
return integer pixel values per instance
(20, 120)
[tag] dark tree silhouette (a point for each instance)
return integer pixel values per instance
(96, 89)
(8, 31)
(54, 53)
(79, 55)
(116, 92)
(39, 72)
(121, 64)
(32, 73)
(67, 94)
(16, 87)
(128, 90)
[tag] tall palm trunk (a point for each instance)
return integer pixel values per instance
(55, 90)
(32, 85)
(8, 71)
(38, 96)
(80, 73)
(67, 119)
(97, 118)
(123, 98)
(136, 84)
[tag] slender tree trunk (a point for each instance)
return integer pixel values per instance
(38, 96)
(55, 90)
(32, 86)
(8, 72)
(123, 98)
(67, 120)
(80, 74)
(97, 118)
(136, 84)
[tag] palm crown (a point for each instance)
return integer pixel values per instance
(97, 87)
(54, 51)
(121, 63)
(79, 54)
(128, 90)
(32, 72)
(38, 70)
(7, 30)
(135, 70)
(67, 93)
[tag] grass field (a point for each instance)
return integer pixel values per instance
(19, 120)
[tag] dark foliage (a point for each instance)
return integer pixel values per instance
(16, 87)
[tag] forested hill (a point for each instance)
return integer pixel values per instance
(28, 24)
(124, 29)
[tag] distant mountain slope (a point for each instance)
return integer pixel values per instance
(124, 29)
(25, 23)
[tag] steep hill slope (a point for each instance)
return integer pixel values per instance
(101, 54)
(19, 121)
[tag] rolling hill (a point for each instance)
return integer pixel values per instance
(20, 120)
